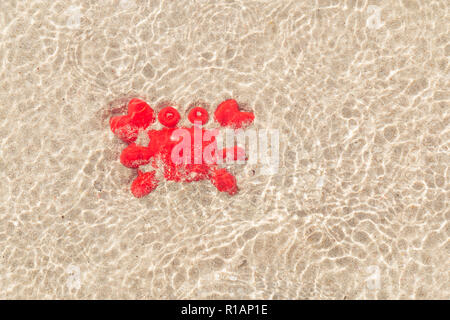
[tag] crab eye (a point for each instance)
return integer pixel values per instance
(198, 114)
(169, 117)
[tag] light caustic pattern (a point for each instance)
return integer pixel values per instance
(358, 91)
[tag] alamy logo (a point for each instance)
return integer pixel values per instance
(374, 20)
(263, 147)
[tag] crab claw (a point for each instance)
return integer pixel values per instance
(140, 113)
(122, 127)
(139, 116)
(229, 115)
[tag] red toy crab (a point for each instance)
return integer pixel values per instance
(171, 149)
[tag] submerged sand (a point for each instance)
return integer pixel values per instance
(359, 91)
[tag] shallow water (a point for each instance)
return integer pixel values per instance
(358, 208)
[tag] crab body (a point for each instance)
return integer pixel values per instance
(185, 154)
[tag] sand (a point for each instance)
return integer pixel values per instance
(359, 91)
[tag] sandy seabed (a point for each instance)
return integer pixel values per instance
(359, 91)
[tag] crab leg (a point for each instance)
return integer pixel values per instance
(144, 183)
(228, 114)
(134, 156)
(224, 181)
